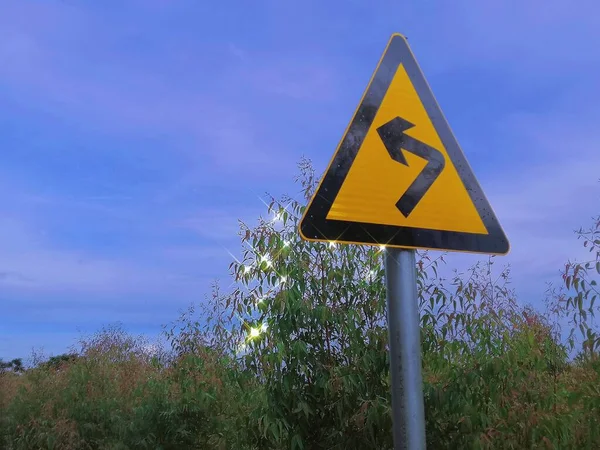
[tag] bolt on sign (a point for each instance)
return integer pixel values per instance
(398, 177)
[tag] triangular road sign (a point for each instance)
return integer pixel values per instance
(399, 177)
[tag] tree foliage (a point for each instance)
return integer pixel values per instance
(15, 365)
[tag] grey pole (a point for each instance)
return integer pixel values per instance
(408, 411)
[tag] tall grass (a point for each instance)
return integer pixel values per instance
(116, 396)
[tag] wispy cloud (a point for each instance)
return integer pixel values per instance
(291, 78)
(554, 37)
(36, 257)
(217, 225)
(30, 264)
(88, 88)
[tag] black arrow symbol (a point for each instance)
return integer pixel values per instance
(394, 139)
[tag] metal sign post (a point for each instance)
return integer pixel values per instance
(408, 411)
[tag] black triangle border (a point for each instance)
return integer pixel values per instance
(315, 227)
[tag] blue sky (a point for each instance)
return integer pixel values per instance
(135, 134)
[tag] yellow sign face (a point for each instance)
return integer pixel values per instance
(399, 177)
(445, 206)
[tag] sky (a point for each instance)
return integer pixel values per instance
(135, 134)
